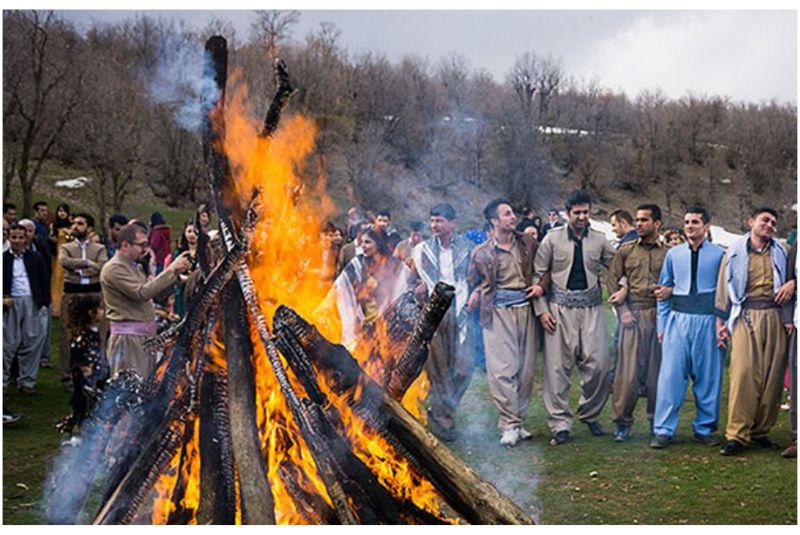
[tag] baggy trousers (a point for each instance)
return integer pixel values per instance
(449, 368)
(689, 351)
(23, 335)
(793, 384)
(581, 340)
(638, 361)
(510, 360)
(758, 364)
(127, 352)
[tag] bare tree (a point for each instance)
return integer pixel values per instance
(42, 90)
(272, 27)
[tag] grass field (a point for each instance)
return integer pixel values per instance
(586, 481)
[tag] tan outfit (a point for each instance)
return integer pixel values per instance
(638, 350)
(79, 279)
(581, 337)
(129, 299)
(758, 353)
(57, 279)
(509, 332)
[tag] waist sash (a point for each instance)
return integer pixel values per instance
(505, 298)
(136, 328)
(576, 298)
(702, 304)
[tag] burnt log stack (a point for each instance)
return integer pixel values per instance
(157, 415)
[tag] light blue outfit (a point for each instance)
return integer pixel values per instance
(689, 350)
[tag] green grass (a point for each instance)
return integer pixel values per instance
(683, 484)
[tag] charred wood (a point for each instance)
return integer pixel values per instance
(310, 505)
(283, 92)
(475, 499)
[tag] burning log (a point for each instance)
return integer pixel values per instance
(312, 507)
(475, 499)
(411, 362)
(283, 93)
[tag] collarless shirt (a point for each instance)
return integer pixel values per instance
(759, 271)
(509, 266)
(446, 268)
(577, 273)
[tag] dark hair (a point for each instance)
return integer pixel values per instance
(624, 215)
(380, 239)
(384, 213)
(141, 224)
(655, 210)
(445, 210)
(696, 209)
(537, 221)
(63, 206)
(490, 210)
(117, 219)
(89, 219)
(156, 219)
(37, 204)
(129, 232)
(81, 308)
(204, 209)
(552, 211)
(9, 206)
(329, 228)
(16, 226)
(578, 197)
(762, 209)
(417, 226)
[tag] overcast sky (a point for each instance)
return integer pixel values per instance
(747, 55)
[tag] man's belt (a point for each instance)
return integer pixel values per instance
(641, 304)
(74, 288)
(136, 328)
(701, 304)
(575, 298)
(760, 303)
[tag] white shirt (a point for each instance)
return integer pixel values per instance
(20, 285)
(83, 245)
(446, 265)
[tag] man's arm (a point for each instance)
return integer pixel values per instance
(663, 306)
(69, 262)
(125, 282)
(542, 263)
(97, 264)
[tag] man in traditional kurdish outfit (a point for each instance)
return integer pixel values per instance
(445, 257)
(638, 349)
(573, 318)
(129, 300)
(501, 271)
(752, 273)
(686, 330)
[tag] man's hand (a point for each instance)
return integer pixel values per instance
(618, 297)
(473, 300)
(662, 293)
(789, 328)
(548, 322)
(91, 264)
(627, 319)
(421, 292)
(8, 302)
(785, 292)
(723, 335)
(534, 290)
(660, 338)
(182, 263)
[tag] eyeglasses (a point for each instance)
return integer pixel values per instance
(141, 244)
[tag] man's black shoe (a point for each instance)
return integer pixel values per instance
(560, 438)
(766, 442)
(595, 429)
(732, 447)
(706, 440)
(622, 433)
(660, 442)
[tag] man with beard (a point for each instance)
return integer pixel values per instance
(686, 331)
(82, 260)
(573, 318)
(445, 257)
(501, 271)
(752, 273)
(129, 300)
(638, 350)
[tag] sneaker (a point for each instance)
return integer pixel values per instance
(560, 438)
(26, 390)
(660, 442)
(622, 433)
(11, 417)
(732, 447)
(510, 437)
(790, 452)
(766, 442)
(706, 440)
(596, 429)
(524, 434)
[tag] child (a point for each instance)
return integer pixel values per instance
(90, 368)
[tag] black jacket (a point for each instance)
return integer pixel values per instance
(38, 276)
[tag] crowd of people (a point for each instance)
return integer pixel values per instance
(524, 286)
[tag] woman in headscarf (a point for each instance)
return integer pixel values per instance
(59, 235)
